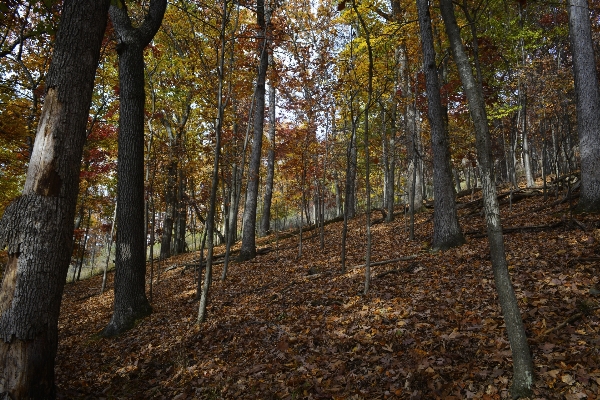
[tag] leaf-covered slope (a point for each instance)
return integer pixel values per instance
(430, 327)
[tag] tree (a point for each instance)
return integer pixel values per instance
(265, 223)
(588, 103)
(522, 364)
(248, 249)
(446, 230)
(130, 275)
(210, 218)
(37, 228)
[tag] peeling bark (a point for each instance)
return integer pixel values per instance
(37, 227)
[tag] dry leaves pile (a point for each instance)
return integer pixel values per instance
(429, 328)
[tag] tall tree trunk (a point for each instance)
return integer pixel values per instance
(248, 248)
(210, 218)
(522, 363)
(37, 228)
(588, 103)
(266, 214)
(348, 198)
(366, 148)
(446, 230)
(131, 302)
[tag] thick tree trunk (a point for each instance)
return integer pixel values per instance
(131, 303)
(446, 230)
(522, 363)
(248, 248)
(588, 103)
(37, 228)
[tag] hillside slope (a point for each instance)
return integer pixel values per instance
(282, 327)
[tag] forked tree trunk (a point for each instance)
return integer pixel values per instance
(131, 302)
(522, 363)
(446, 230)
(37, 228)
(588, 103)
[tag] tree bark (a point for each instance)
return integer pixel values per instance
(179, 244)
(248, 248)
(412, 129)
(265, 224)
(446, 230)
(131, 302)
(522, 363)
(210, 218)
(37, 228)
(588, 103)
(366, 148)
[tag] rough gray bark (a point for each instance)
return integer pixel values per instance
(130, 266)
(248, 248)
(522, 363)
(37, 227)
(265, 223)
(446, 230)
(588, 104)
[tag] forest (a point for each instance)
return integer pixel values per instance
(302, 199)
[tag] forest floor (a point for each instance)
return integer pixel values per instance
(281, 327)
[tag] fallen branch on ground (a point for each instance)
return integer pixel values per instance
(569, 320)
(385, 262)
(513, 229)
(409, 269)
